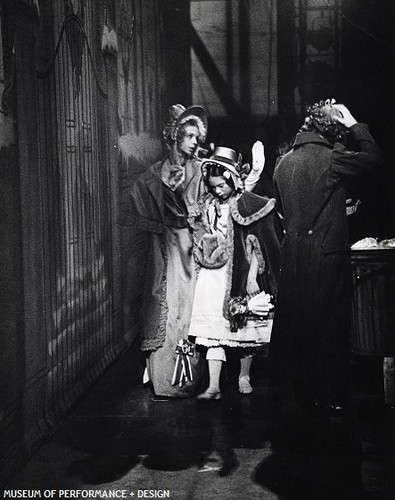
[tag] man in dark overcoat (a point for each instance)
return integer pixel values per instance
(310, 338)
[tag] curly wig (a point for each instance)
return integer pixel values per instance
(321, 118)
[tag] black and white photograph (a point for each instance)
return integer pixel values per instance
(197, 249)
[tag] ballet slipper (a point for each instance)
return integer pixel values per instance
(209, 396)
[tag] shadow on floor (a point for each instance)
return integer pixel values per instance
(265, 447)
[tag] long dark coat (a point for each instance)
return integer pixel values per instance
(310, 338)
(161, 273)
(144, 213)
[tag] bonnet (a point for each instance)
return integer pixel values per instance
(178, 116)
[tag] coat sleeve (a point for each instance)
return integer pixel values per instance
(346, 163)
(141, 210)
(145, 279)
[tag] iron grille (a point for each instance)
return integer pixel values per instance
(77, 239)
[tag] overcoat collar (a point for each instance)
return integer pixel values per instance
(310, 137)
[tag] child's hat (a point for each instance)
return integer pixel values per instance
(226, 157)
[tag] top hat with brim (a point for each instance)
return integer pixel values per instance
(225, 157)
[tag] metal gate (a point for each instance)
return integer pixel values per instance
(77, 204)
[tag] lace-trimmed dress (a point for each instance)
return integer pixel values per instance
(212, 291)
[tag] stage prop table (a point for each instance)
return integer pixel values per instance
(373, 305)
(373, 313)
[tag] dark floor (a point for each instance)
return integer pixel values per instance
(120, 440)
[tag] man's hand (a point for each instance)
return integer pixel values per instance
(344, 116)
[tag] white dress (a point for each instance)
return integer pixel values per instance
(208, 324)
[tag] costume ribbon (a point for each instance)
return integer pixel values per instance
(183, 370)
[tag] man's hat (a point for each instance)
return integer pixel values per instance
(225, 157)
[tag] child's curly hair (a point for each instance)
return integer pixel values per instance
(321, 117)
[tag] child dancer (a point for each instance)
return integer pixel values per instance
(236, 244)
